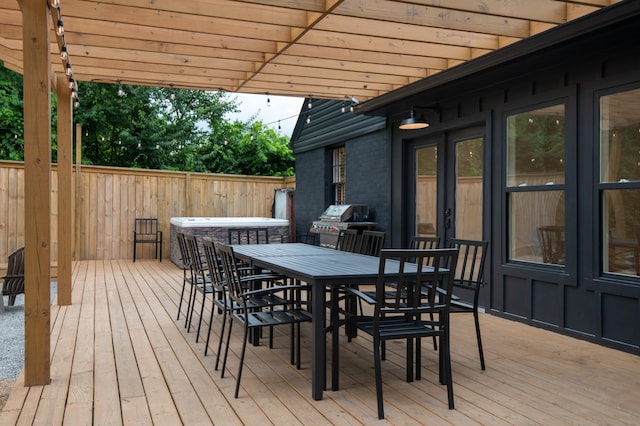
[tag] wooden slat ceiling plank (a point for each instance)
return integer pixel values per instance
(12, 32)
(388, 45)
(152, 18)
(308, 5)
(235, 10)
(158, 58)
(550, 11)
(345, 24)
(308, 81)
(317, 91)
(434, 17)
(85, 65)
(128, 32)
(351, 66)
(366, 56)
(75, 39)
(363, 77)
(159, 79)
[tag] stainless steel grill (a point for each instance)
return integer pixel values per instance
(340, 216)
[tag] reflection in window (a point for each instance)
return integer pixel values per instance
(620, 137)
(535, 185)
(535, 147)
(536, 227)
(426, 188)
(468, 223)
(620, 182)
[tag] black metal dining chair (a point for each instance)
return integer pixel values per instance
(147, 231)
(248, 236)
(188, 276)
(201, 282)
(411, 314)
(418, 242)
(284, 310)
(469, 278)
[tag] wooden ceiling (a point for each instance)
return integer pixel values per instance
(331, 49)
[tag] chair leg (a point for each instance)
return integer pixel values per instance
(204, 298)
(242, 352)
(134, 251)
(187, 321)
(480, 351)
(378, 367)
(226, 350)
(224, 323)
(184, 286)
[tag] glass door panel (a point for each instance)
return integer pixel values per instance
(426, 191)
(468, 189)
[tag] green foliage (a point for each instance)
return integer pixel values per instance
(155, 128)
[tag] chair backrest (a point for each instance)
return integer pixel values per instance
(214, 265)
(471, 260)
(348, 240)
(14, 279)
(552, 244)
(371, 242)
(195, 256)
(418, 242)
(404, 294)
(232, 275)
(146, 228)
(184, 252)
(248, 236)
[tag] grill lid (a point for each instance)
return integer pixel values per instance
(345, 212)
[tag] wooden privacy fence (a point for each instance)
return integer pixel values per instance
(108, 199)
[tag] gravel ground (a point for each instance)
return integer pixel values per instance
(12, 344)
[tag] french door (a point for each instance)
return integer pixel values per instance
(448, 183)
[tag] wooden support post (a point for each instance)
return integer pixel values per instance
(65, 188)
(77, 208)
(37, 187)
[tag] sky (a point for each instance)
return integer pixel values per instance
(279, 108)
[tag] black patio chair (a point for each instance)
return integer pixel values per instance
(348, 240)
(418, 242)
(187, 272)
(404, 316)
(371, 242)
(200, 283)
(146, 231)
(469, 277)
(283, 312)
(13, 283)
(248, 235)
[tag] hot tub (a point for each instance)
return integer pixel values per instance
(217, 228)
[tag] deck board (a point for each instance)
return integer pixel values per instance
(119, 356)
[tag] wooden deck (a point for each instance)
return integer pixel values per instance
(120, 357)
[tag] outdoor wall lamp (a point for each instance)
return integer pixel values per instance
(413, 123)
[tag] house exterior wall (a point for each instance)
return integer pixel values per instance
(576, 299)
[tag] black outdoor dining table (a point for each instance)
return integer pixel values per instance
(321, 268)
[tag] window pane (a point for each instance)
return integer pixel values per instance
(535, 147)
(536, 221)
(620, 137)
(621, 226)
(426, 190)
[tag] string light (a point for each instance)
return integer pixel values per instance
(54, 3)
(67, 70)
(63, 52)
(120, 90)
(172, 95)
(60, 28)
(310, 104)
(268, 100)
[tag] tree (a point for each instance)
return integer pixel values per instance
(156, 128)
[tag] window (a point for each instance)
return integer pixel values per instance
(535, 185)
(620, 181)
(339, 173)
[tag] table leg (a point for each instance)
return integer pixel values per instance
(318, 362)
